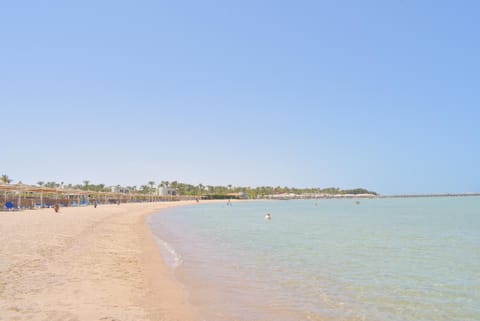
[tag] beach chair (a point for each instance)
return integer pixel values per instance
(9, 206)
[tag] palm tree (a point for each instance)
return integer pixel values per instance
(152, 189)
(51, 185)
(200, 187)
(40, 183)
(5, 179)
(152, 184)
(164, 183)
(86, 183)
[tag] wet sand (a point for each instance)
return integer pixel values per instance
(86, 264)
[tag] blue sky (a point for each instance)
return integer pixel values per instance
(375, 94)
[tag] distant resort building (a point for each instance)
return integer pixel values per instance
(239, 195)
(167, 191)
(119, 189)
(288, 196)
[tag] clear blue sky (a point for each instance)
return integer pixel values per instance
(377, 94)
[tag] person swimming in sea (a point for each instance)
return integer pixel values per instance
(268, 217)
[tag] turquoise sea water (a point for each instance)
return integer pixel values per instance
(382, 259)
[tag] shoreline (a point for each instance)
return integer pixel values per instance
(87, 264)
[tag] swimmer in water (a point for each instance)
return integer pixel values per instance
(268, 217)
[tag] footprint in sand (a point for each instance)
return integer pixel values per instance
(60, 316)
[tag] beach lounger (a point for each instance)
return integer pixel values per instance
(9, 206)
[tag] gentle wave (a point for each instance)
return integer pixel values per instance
(172, 258)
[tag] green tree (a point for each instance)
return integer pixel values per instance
(165, 184)
(152, 184)
(5, 179)
(51, 184)
(200, 189)
(152, 189)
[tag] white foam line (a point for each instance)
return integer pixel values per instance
(172, 258)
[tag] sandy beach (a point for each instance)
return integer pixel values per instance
(86, 264)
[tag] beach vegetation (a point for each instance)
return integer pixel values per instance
(261, 191)
(151, 190)
(5, 179)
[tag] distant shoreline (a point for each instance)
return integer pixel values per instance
(429, 195)
(364, 196)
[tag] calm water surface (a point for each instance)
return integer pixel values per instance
(382, 259)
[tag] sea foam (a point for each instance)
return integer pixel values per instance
(172, 258)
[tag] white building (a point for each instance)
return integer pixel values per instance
(167, 191)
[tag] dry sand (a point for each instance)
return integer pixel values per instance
(86, 264)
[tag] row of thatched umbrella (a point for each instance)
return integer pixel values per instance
(41, 192)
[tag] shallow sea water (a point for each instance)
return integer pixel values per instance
(381, 259)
